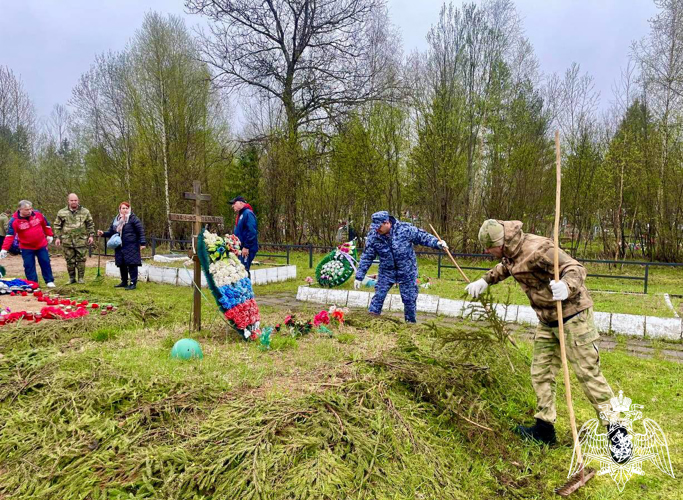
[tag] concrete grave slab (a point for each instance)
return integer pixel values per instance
(318, 295)
(526, 315)
(663, 328)
(302, 293)
(449, 307)
(143, 273)
(427, 303)
(358, 299)
(628, 324)
(602, 321)
(111, 270)
(338, 297)
(271, 274)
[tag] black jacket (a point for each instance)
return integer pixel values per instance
(132, 238)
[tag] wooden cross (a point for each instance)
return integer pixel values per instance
(197, 218)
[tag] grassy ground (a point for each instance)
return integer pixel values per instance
(610, 295)
(96, 409)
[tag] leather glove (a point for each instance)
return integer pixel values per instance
(476, 288)
(357, 284)
(49, 239)
(3, 254)
(443, 245)
(560, 290)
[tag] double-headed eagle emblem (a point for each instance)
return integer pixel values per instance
(619, 451)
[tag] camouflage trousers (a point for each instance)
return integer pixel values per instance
(75, 259)
(581, 336)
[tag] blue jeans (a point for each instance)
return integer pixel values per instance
(247, 262)
(43, 257)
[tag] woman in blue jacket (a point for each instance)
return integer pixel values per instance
(392, 241)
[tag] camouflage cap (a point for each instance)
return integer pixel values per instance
(491, 234)
(380, 217)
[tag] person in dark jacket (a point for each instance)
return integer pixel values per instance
(34, 234)
(246, 230)
(392, 241)
(127, 256)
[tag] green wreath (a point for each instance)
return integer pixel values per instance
(336, 268)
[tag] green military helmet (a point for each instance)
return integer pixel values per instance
(187, 349)
(491, 234)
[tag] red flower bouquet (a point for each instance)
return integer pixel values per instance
(321, 317)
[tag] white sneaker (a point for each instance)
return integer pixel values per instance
(50, 284)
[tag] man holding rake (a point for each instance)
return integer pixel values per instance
(528, 259)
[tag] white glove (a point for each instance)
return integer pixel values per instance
(443, 245)
(560, 290)
(357, 284)
(3, 254)
(49, 239)
(476, 288)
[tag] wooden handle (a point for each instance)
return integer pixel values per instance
(465, 276)
(560, 322)
(452, 258)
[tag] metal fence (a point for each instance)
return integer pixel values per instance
(644, 278)
(440, 256)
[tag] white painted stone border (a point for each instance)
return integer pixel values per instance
(625, 324)
(183, 276)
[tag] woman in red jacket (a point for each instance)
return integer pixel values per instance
(35, 234)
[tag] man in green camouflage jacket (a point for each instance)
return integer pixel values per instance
(74, 231)
(529, 259)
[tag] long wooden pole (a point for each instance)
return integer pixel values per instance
(452, 258)
(560, 322)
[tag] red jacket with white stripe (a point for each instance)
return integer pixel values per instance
(32, 231)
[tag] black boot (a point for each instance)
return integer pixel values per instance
(131, 286)
(123, 284)
(541, 431)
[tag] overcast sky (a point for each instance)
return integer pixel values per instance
(50, 43)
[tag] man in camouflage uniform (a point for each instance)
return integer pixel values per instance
(530, 260)
(392, 242)
(74, 232)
